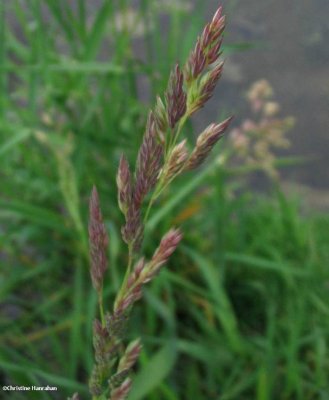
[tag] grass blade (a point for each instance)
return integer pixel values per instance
(156, 370)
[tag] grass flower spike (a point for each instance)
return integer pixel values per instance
(98, 242)
(161, 158)
(124, 185)
(176, 97)
(205, 143)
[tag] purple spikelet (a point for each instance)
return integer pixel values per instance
(176, 97)
(122, 391)
(176, 161)
(131, 195)
(98, 241)
(131, 355)
(209, 83)
(205, 143)
(145, 272)
(167, 246)
(132, 231)
(148, 162)
(124, 185)
(161, 120)
(207, 49)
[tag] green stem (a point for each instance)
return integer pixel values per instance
(179, 129)
(128, 271)
(101, 307)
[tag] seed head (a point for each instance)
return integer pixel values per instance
(131, 355)
(117, 379)
(132, 231)
(133, 278)
(207, 85)
(205, 143)
(207, 49)
(176, 161)
(124, 303)
(98, 241)
(124, 185)
(99, 332)
(115, 324)
(148, 162)
(121, 392)
(161, 119)
(167, 246)
(99, 340)
(176, 97)
(95, 382)
(144, 273)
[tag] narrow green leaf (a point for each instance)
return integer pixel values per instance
(223, 307)
(67, 66)
(156, 370)
(262, 263)
(38, 215)
(14, 140)
(97, 30)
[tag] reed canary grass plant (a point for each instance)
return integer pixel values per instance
(163, 155)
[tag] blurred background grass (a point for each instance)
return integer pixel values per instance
(242, 310)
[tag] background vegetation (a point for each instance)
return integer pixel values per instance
(242, 310)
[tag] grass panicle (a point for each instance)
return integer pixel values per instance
(242, 312)
(160, 159)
